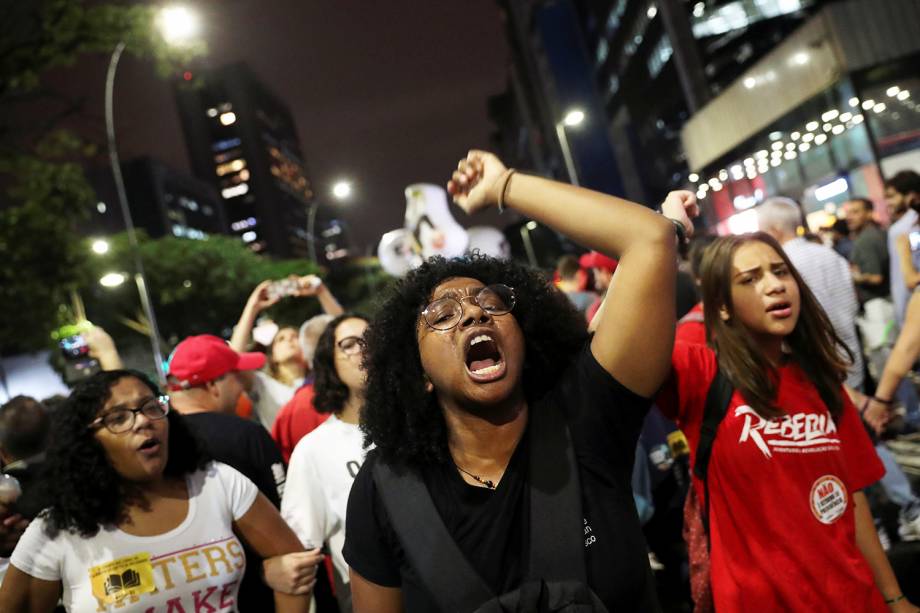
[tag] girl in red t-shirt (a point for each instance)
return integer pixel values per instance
(790, 529)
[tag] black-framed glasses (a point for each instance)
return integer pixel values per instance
(122, 420)
(445, 313)
(352, 345)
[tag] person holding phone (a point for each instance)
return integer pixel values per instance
(286, 367)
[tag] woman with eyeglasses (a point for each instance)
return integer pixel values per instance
(474, 362)
(138, 518)
(325, 461)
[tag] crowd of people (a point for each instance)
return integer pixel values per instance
(641, 432)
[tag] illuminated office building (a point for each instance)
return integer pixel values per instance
(242, 139)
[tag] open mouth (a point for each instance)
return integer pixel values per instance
(780, 309)
(483, 358)
(151, 445)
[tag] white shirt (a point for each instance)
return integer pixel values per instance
(268, 395)
(200, 561)
(322, 469)
(899, 292)
(828, 277)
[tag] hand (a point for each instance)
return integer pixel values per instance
(681, 205)
(292, 573)
(876, 414)
(477, 181)
(99, 342)
(310, 285)
(11, 529)
(259, 300)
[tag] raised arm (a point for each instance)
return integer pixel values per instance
(258, 301)
(640, 309)
(908, 270)
(905, 353)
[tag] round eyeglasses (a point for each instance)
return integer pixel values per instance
(445, 313)
(122, 419)
(351, 345)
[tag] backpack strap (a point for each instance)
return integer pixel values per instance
(432, 552)
(717, 400)
(556, 519)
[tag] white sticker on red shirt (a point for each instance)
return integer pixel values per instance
(828, 499)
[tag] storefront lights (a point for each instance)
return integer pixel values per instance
(893, 91)
(868, 104)
(878, 108)
(694, 177)
(829, 115)
(812, 126)
(838, 129)
(903, 95)
(846, 117)
(854, 101)
(820, 139)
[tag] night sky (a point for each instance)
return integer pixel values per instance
(383, 93)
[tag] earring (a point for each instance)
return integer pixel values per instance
(429, 386)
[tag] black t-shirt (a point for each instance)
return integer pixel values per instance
(489, 526)
(244, 445)
(247, 447)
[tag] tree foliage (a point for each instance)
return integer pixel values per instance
(43, 191)
(197, 286)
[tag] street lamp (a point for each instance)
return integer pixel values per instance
(341, 191)
(572, 118)
(100, 246)
(177, 25)
(112, 279)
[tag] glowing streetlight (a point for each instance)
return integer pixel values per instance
(100, 246)
(341, 190)
(573, 118)
(112, 279)
(178, 25)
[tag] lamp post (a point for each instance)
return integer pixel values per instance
(177, 25)
(341, 190)
(572, 118)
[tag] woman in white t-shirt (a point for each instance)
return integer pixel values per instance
(325, 461)
(286, 367)
(139, 519)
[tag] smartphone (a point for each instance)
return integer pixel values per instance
(914, 238)
(74, 347)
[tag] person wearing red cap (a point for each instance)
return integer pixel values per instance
(205, 385)
(603, 268)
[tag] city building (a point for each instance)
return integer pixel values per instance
(823, 117)
(242, 139)
(652, 65)
(163, 202)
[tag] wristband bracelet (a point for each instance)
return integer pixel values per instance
(504, 190)
(680, 230)
(898, 598)
(888, 402)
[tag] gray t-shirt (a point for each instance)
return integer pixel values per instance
(870, 254)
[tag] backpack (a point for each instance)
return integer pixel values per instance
(696, 511)
(556, 574)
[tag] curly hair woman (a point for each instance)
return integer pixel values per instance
(325, 461)
(472, 363)
(139, 519)
(789, 528)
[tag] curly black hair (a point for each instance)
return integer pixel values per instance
(400, 417)
(330, 393)
(81, 489)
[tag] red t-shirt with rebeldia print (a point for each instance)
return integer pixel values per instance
(781, 494)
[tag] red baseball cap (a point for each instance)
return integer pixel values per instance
(203, 358)
(594, 259)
